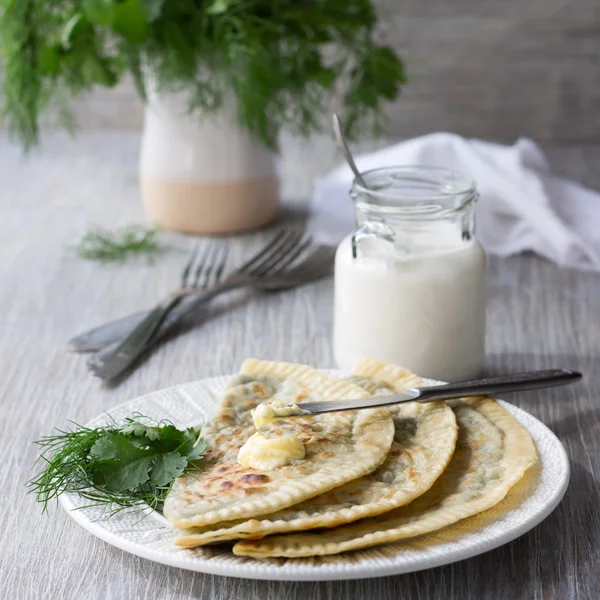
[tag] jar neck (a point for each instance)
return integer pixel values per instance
(417, 209)
(416, 234)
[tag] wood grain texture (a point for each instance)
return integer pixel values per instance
(498, 70)
(539, 316)
(479, 68)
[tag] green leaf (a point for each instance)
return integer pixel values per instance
(98, 70)
(218, 7)
(99, 12)
(154, 9)
(326, 77)
(49, 60)
(105, 449)
(127, 466)
(171, 437)
(115, 446)
(185, 442)
(130, 20)
(197, 452)
(132, 56)
(139, 429)
(166, 467)
(129, 476)
(73, 28)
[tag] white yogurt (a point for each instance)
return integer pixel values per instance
(423, 309)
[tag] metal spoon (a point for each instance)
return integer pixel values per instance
(339, 136)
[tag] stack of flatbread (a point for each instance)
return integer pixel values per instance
(368, 477)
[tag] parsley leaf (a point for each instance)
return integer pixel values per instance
(140, 429)
(121, 464)
(197, 451)
(167, 467)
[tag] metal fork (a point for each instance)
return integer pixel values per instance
(316, 265)
(212, 263)
(283, 250)
(200, 272)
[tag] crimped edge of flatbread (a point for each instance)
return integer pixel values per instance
(519, 456)
(398, 377)
(327, 386)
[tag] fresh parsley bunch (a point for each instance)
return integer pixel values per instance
(281, 60)
(117, 467)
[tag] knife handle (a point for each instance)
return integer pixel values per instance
(499, 385)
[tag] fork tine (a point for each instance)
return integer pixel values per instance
(288, 258)
(202, 264)
(209, 264)
(318, 265)
(265, 250)
(188, 264)
(221, 267)
(288, 244)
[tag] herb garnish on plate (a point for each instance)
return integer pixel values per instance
(117, 466)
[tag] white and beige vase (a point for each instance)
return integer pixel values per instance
(204, 174)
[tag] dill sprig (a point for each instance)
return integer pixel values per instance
(116, 466)
(279, 62)
(116, 246)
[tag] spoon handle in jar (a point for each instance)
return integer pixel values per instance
(343, 146)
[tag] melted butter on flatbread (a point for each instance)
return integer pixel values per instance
(266, 454)
(265, 413)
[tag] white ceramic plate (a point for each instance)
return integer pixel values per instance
(531, 501)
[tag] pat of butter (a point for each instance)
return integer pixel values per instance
(265, 454)
(264, 413)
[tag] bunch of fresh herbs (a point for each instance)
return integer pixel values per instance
(116, 466)
(281, 60)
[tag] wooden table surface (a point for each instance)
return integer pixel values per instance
(539, 316)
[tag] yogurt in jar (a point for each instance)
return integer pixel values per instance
(416, 300)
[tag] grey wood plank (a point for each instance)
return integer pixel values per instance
(539, 316)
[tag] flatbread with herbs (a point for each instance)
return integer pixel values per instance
(424, 440)
(339, 446)
(493, 452)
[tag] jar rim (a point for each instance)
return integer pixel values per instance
(448, 186)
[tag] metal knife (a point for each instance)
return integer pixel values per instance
(477, 387)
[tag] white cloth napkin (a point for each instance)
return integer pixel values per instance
(522, 206)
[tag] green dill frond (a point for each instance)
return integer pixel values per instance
(116, 246)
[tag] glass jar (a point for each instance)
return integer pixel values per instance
(409, 281)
